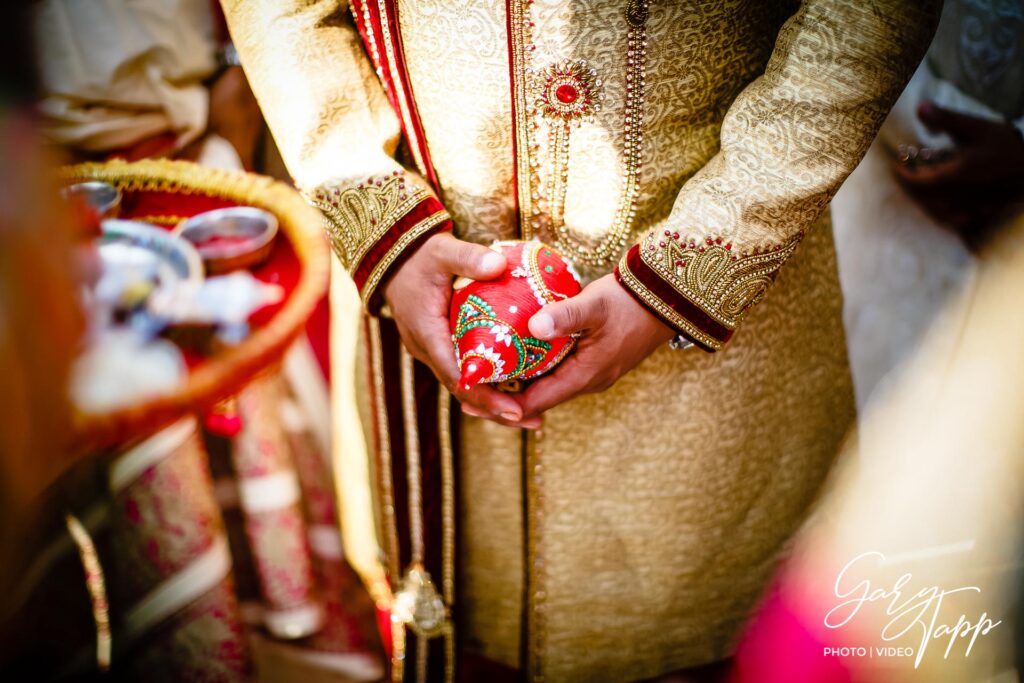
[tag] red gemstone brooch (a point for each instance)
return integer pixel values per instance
(568, 91)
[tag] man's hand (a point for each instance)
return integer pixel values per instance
(235, 115)
(419, 295)
(616, 334)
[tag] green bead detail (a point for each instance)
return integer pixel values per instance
(476, 312)
(481, 304)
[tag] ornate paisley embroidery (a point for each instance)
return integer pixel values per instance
(358, 217)
(711, 275)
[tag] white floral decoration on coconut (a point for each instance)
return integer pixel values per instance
(502, 333)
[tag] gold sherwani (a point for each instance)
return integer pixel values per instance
(690, 147)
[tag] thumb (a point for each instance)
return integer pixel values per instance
(563, 318)
(960, 126)
(471, 260)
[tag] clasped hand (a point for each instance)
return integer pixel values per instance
(615, 332)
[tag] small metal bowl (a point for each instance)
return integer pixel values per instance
(103, 198)
(233, 238)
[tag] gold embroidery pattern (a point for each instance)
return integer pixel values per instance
(521, 40)
(578, 83)
(666, 311)
(568, 92)
(407, 238)
(710, 275)
(359, 216)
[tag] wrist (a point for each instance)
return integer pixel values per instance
(659, 330)
(411, 263)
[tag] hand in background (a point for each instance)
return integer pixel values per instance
(419, 296)
(616, 334)
(971, 186)
(235, 114)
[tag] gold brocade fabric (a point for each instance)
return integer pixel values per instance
(668, 498)
(330, 118)
(491, 529)
(661, 505)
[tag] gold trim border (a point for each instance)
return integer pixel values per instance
(387, 496)
(96, 583)
(652, 300)
(520, 114)
(392, 254)
(444, 425)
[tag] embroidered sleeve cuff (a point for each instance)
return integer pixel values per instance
(700, 286)
(674, 309)
(375, 225)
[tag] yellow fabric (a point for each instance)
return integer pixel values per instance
(491, 531)
(666, 500)
(350, 427)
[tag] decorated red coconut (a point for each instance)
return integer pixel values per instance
(489, 319)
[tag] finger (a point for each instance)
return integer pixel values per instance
(498, 406)
(438, 347)
(961, 126)
(532, 423)
(566, 381)
(927, 175)
(567, 317)
(470, 260)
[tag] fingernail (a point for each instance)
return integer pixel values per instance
(511, 416)
(491, 262)
(542, 325)
(471, 411)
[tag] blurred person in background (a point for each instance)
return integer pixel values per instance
(912, 568)
(142, 80)
(948, 168)
(40, 321)
(151, 78)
